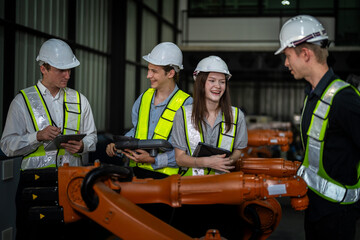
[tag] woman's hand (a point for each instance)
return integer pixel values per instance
(218, 162)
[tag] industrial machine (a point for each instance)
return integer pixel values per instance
(259, 141)
(109, 195)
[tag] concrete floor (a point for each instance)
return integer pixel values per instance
(291, 226)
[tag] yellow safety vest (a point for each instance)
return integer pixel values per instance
(41, 118)
(193, 137)
(163, 127)
(312, 170)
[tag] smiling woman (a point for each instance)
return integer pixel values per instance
(214, 88)
(211, 120)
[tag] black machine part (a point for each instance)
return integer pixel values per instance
(153, 146)
(123, 174)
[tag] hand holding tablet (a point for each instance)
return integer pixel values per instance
(206, 150)
(55, 143)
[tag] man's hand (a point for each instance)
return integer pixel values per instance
(139, 156)
(73, 146)
(48, 133)
(111, 151)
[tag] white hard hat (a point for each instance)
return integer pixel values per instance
(300, 29)
(164, 54)
(212, 64)
(58, 54)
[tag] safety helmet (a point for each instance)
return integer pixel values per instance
(300, 29)
(212, 64)
(58, 54)
(164, 54)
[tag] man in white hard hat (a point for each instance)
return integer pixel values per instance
(152, 117)
(330, 132)
(40, 113)
(37, 114)
(153, 112)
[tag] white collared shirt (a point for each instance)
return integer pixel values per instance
(19, 136)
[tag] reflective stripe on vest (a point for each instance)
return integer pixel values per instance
(226, 139)
(72, 111)
(193, 137)
(142, 127)
(163, 127)
(41, 118)
(312, 170)
(165, 123)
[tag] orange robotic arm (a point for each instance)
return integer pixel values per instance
(267, 137)
(108, 196)
(231, 188)
(276, 167)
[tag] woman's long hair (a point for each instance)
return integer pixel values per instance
(200, 112)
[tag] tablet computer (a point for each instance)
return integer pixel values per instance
(153, 146)
(55, 143)
(205, 150)
(124, 142)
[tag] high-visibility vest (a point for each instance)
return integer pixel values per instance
(193, 137)
(312, 170)
(41, 118)
(163, 127)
